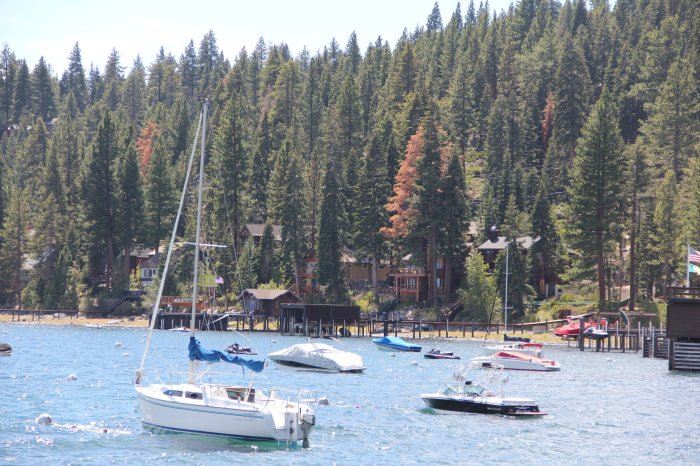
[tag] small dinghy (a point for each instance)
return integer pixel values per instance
(5, 349)
(237, 349)
(435, 353)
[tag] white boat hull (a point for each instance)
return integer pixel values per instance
(516, 364)
(216, 413)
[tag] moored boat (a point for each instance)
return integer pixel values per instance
(396, 344)
(238, 349)
(318, 356)
(435, 353)
(5, 349)
(514, 360)
(528, 348)
(203, 407)
(467, 393)
(573, 326)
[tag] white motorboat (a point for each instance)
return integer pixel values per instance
(318, 356)
(521, 347)
(223, 409)
(515, 360)
(466, 393)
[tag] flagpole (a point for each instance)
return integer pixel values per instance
(687, 267)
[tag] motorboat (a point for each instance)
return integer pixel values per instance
(572, 328)
(466, 392)
(527, 348)
(199, 404)
(435, 353)
(318, 356)
(5, 349)
(238, 349)
(396, 344)
(515, 360)
(595, 333)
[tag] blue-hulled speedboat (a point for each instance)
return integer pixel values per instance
(396, 344)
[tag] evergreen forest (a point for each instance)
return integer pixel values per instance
(575, 122)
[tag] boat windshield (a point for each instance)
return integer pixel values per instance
(467, 390)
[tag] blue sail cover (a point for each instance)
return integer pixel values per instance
(202, 354)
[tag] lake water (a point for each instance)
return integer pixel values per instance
(609, 408)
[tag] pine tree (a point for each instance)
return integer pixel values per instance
(426, 202)
(246, 268)
(370, 215)
(596, 189)
(134, 99)
(478, 293)
(544, 252)
(454, 210)
(113, 78)
(13, 243)
(229, 167)
(99, 195)
(267, 257)
(76, 78)
(189, 70)
(331, 234)
(672, 129)
(668, 250)
(130, 198)
(7, 83)
(21, 104)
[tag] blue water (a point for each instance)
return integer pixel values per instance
(610, 408)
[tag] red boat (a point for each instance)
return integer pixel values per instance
(573, 326)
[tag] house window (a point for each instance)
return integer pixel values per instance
(410, 283)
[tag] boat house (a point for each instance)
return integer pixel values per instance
(318, 319)
(683, 328)
(265, 303)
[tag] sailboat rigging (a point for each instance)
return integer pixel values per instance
(207, 408)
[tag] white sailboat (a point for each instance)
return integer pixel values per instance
(238, 411)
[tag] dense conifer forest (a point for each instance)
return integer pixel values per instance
(576, 123)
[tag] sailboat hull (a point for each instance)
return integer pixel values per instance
(213, 410)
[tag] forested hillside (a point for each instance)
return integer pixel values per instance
(577, 123)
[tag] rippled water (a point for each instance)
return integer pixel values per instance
(609, 408)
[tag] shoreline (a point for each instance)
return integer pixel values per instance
(139, 322)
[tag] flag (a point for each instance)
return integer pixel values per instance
(219, 281)
(692, 268)
(693, 256)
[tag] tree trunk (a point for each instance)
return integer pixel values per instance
(110, 263)
(633, 253)
(433, 269)
(447, 287)
(601, 277)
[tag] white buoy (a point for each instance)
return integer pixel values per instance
(323, 401)
(44, 419)
(125, 354)
(118, 344)
(72, 377)
(414, 363)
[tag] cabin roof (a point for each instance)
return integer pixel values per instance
(258, 230)
(499, 244)
(264, 294)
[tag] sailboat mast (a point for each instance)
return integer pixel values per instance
(200, 189)
(198, 234)
(505, 297)
(156, 305)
